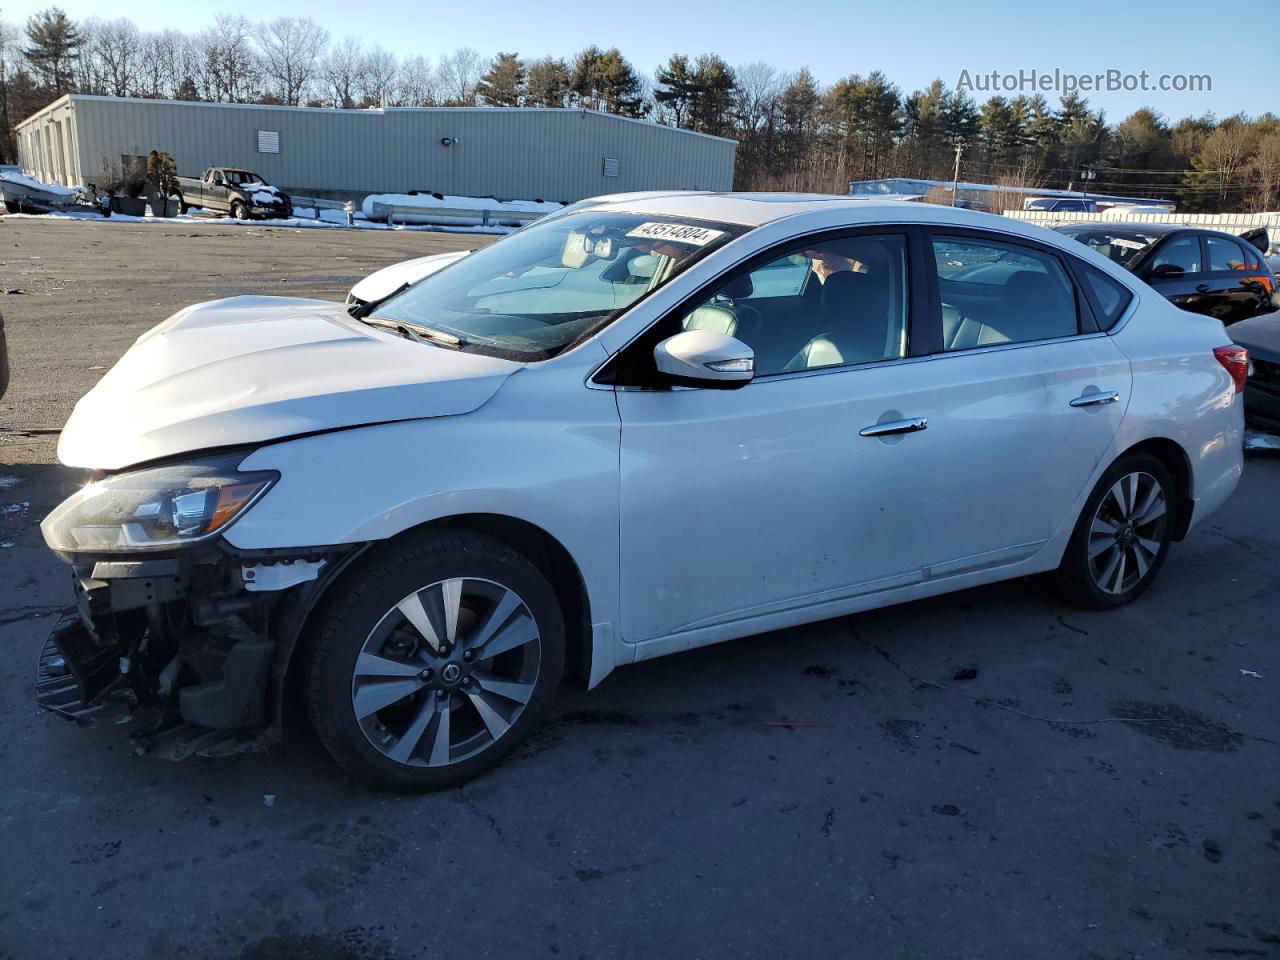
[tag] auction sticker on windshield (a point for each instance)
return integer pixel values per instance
(1122, 242)
(676, 233)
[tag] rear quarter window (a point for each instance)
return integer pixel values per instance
(1110, 298)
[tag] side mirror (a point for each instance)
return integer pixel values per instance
(704, 358)
(1167, 270)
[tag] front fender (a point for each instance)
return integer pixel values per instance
(544, 451)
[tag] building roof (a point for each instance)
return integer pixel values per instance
(362, 111)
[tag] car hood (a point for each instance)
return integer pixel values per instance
(1259, 335)
(252, 369)
(388, 280)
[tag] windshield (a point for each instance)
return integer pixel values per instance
(552, 284)
(242, 177)
(1118, 245)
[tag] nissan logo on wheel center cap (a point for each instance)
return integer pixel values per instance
(451, 673)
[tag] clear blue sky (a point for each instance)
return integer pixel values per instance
(911, 42)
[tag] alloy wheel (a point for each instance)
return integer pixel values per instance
(445, 672)
(1127, 533)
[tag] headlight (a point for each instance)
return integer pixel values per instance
(156, 508)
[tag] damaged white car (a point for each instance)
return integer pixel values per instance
(624, 432)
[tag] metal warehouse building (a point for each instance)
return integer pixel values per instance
(509, 153)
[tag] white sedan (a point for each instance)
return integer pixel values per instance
(627, 431)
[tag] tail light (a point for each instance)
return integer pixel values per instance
(1236, 361)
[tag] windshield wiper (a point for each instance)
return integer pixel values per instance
(415, 332)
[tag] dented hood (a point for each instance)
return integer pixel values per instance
(251, 369)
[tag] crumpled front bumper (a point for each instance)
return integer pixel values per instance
(185, 650)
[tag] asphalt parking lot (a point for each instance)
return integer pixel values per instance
(992, 774)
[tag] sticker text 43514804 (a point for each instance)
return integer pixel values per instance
(676, 233)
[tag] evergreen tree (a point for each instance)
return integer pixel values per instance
(604, 80)
(53, 49)
(504, 83)
(676, 87)
(712, 106)
(548, 83)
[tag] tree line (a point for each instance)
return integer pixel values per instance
(793, 132)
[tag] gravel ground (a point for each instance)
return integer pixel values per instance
(948, 779)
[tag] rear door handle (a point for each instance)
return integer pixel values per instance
(1202, 288)
(912, 425)
(1095, 399)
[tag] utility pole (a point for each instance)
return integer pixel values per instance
(955, 179)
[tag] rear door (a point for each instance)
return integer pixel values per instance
(1177, 272)
(1240, 283)
(215, 191)
(1026, 399)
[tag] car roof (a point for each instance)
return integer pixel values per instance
(757, 209)
(1155, 229)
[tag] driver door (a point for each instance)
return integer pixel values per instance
(738, 506)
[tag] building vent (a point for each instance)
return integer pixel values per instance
(268, 141)
(610, 166)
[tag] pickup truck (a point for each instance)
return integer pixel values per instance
(241, 194)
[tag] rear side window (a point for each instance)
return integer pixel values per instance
(993, 292)
(1110, 297)
(1224, 254)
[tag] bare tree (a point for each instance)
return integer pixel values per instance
(291, 49)
(759, 84)
(459, 73)
(116, 50)
(376, 77)
(339, 71)
(229, 65)
(419, 83)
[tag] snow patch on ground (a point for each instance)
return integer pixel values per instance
(303, 217)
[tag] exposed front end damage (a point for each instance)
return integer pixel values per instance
(189, 650)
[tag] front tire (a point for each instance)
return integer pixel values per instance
(434, 661)
(1122, 537)
(239, 211)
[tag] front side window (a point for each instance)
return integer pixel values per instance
(827, 303)
(549, 286)
(1181, 253)
(993, 293)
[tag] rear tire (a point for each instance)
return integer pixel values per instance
(1122, 536)
(182, 205)
(434, 660)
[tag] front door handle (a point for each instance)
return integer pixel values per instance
(912, 425)
(1095, 399)
(1202, 288)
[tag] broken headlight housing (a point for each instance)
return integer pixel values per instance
(155, 509)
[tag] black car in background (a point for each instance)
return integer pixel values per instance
(1261, 337)
(1204, 271)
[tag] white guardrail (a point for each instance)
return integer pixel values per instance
(478, 216)
(317, 204)
(1227, 222)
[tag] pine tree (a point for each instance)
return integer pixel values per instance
(675, 88)
(604, 80)
(504, 83)
(712, 105)
(548, 83)
(54, 44)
